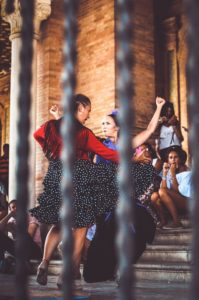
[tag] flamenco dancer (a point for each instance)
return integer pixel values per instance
(95, 187)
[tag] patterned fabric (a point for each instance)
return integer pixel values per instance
(145, 181)
(95, 192)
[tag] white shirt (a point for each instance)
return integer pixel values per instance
(184, 180)
(168, 137)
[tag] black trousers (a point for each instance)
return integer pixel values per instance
(33, 251)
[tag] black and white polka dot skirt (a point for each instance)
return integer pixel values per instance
(49, 201)
(94, 193)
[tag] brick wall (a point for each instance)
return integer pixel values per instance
(96, 63)
(144, 67)
(96, 57)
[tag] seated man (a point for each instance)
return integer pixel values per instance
(8, 226)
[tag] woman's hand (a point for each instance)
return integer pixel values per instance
(165, 169)
(173, 121)
(160, 102)
(173, 168)
(142, 158)
(55, 111)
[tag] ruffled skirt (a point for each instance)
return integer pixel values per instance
(95, 191)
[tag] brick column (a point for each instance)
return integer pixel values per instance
(42, 11)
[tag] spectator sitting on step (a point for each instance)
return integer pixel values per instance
(4, 166)
(8, 234)
(175, 187)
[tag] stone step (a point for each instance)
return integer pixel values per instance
(166, 253)
(169, 272)
(173, 236)
(54, 268)
(186, 222)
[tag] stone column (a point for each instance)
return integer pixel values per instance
(42, 11)
(170, 30)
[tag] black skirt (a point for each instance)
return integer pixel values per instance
(95, 191)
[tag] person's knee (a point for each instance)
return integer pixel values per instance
(154, 197)
(162, 192)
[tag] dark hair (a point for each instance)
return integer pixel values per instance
(80, 99)
(12, 201)
(181, 153)
(165, 108)
(53, 127)
(151, 150)
(115, 118)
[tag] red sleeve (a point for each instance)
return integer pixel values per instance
(39, 134)
(94, 145)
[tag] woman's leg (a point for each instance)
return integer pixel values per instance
(52, 240)
(79, 235)
(179, 200)
(167, 200)
(155, 199)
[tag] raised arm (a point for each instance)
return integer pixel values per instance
(144, 135)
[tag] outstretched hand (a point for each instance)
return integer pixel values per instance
(160, 102)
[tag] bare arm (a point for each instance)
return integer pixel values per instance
(164, 175)
(174, 183)
(178, 132)
(144, 135)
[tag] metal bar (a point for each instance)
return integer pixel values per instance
(10, 6)
(193, 102)
(69, 83)
(125, 93)
(23, 129)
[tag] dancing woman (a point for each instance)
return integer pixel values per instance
(95, 187)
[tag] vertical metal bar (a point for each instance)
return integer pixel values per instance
(68, 130)
(23, 128)
(125, 94)
(193, 101)
(10, 6)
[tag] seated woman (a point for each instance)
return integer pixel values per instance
(175, 187)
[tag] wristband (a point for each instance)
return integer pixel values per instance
(164, 178)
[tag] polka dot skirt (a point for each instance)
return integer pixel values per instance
(95, 191)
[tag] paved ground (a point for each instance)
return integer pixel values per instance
(99, 291)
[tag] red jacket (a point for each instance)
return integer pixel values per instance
(85, 142)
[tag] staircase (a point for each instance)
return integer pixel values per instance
(169, 257)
